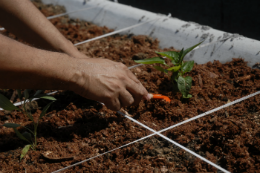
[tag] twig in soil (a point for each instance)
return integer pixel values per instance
(13, 96)
(243, 78)
(61, 127)
(51, 156)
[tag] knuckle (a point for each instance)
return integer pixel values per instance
(108, 97)
(137, 81)
(116, 87)
(122, 77)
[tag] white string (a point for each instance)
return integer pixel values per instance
(118, 31)
(22, 102)
(175, 143)
(135, 66)
(155, 132)
(163, 130)
(211, 111)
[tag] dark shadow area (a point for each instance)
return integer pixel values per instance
(90, 123)
(64, 98)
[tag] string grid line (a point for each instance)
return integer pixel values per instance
(168, 128)
(120, 30)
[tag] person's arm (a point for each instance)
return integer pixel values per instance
(22, 66)
(24, 20)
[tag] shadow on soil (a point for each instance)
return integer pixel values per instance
(90, 123)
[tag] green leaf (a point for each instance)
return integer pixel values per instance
(174, 76)
(48, 98)
(175, 63)
(174, 56)
(20, 135)
(181, 55)
(187, 66)
(27, 135)
(174, 69)
(44, 96)
(161, 69)
(151, 61)
(11, 125)
(26, 94)
(38, 92)
(188, 50)
(19, 94)
(189, 96)
(45, 110)
(24, 151)
(184, 85)
(6, 104)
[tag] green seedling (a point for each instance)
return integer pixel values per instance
(183, 84)
(27, 135)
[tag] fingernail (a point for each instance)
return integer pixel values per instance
(148, 96)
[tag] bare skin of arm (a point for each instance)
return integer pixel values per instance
(24, 20)
(22, 66)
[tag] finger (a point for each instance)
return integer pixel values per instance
(137, 90)
(132, 76)
(114, 104)
(126, 99)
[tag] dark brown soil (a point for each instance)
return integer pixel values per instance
(76, 128)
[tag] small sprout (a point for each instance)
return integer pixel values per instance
(178, 70)
(31, 136)
(25, 150)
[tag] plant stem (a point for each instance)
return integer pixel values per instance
(35, 135)
(34, 125)
(35, 129)
(28, 129)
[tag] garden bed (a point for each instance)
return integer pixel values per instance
(76, 128)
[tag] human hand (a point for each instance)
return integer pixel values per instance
(108, 82)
